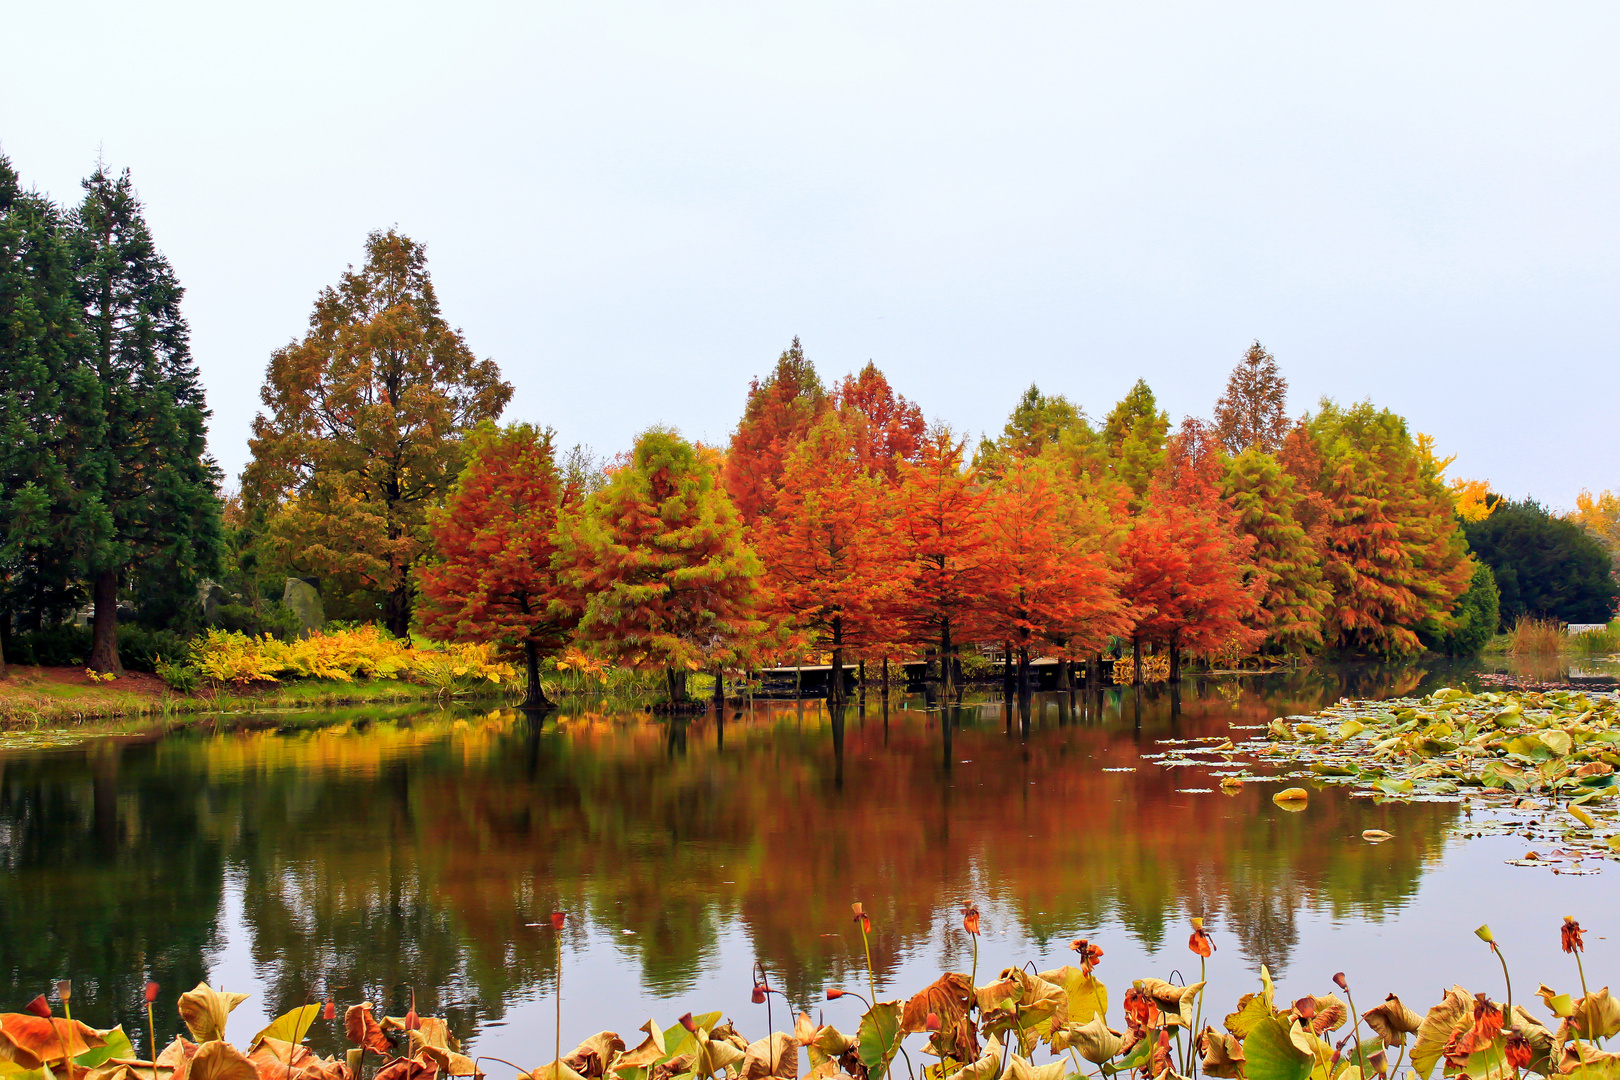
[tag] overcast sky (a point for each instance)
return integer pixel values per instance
(633, 208)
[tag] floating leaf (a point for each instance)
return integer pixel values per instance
(1292, 799)
(1375, 836)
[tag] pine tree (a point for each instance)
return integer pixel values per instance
(1253, 410)
(1037, 422)
(778, 413)
(49, 409)
(662, 558)
(1133, 442)
(153, 475)
(829, 565)
(1287, 563)
(491, 576)
(364, 429)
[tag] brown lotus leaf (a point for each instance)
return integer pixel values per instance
(1160, 1061)
(30, 1041)
(557, 1070)
(177, 1055)
(1455, 1012)
(411, 1068)
(449, 1062)
(1325, 1013)
(218, 1060)
(986, 1067)
(1222, 1054)
(1020, 1069)
(127, 1069)
(205, 1011)
(592, 1057)
(1175, 1002)
(949, 997)
(711, 1055)
(676, 1065)
(727, 1034)
(363, 1030)
(1393, 1021)
(1595, 1017)
(277, 1059)
(1094, 1040)
(777, 1055)
(1087, 994)
(650, 1049)
(424, 1031)
(804, 1029)
(993, 994)
(325, 1069)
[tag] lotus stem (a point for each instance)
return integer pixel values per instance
(1586, 1004)
(557, 1059)
(871, 979)
(1508, 979)
(151, 1037)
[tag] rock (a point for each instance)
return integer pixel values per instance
(305, 601)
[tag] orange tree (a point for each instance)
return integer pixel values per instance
(891, 429)
(1187, 572)
(827, 561)
(939, 536)
(661, 556)
(1049, 577)
(779, 411)
(491, 574)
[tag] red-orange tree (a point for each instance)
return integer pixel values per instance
(659, 552)
(779, 411)
(939, 533)
(491, 576)
(1049, 577)
(1187, 572)
(828, 563)
(891, 430)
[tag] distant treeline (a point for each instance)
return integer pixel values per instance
(837, 524)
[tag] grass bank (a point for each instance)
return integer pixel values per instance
(41, 696)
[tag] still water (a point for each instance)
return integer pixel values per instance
(367, 855)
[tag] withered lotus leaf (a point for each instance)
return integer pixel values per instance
(1327, 1013)
(419, 1068)
(1093, 1040)
(31, 1041)
(1252, 1008)
(1020, 1069)
(987, 1067)
(363, 1030)
(726, 1033)
(711, 1056)
(592, 1057)
(1596, 1016)
(1454, 1013)
(205, 1011)
(176, 1057)
(1392, 1021)
(950, 997)
(1292, 799)
(775, 1056)
(325, 1069)
(433, 1031)
(650, 1050)
(217, 1060)
(664, 1070)
(277, 1059)
(1222, 1054)
(1176, 1002)
(290, 1027)
(1087, 995)
(1272, 1052)
(449, 1062)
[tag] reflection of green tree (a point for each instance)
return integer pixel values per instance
(376, 856)
(112, 874)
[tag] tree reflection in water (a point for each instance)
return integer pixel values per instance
(387, 852)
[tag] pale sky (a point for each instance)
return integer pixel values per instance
(633, 208)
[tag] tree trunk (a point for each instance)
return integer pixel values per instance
(3, 653)
(1175, 660)
(719, 690)
(536, 696)
(104, 631)
(945, 660)
(835, 691)
(1136, 660)
(397, 611)
(1094, 678)
(1007, 671)
(1023, 673)
(885, 677)
(675, 680)
(1063, 681)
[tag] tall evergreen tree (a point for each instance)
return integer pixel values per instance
(151, 469)
(778, 413)
(1253, 410)
(49, 408)
(1133, 439)
(366, 418)
(1545, 566)
(1292, 595)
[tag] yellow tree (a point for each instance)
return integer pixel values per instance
(363, 429)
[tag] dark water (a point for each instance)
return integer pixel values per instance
(366, 855)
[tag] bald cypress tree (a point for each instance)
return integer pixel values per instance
(149, 470)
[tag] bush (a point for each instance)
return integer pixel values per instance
(271, 617)
(179, 675)
(140, 648)
(1476, 615)
(59, 646)
(223, 656)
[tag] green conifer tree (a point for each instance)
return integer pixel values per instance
(1293, 596)
(49, 408)
(151, 469)
(1133, 438)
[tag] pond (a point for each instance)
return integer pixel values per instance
(367, 855)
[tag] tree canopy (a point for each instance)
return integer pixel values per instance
(1545, 566)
